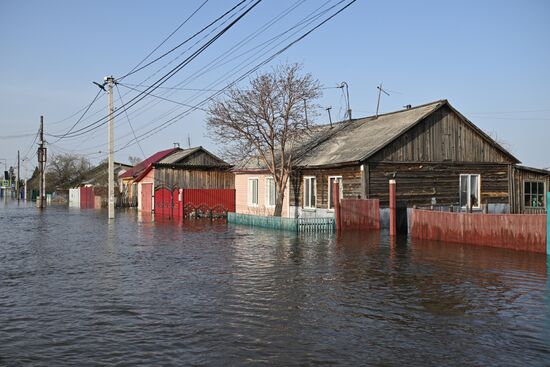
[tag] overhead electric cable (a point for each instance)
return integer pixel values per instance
(167, 76)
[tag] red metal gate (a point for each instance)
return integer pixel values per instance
(163, 202)
(86, 198)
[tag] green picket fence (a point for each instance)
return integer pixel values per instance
(284, 224)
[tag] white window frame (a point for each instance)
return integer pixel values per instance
(467, 204)
(267, 204)
(314, 191)
(531, 194)
(329, 196)
(250, 191)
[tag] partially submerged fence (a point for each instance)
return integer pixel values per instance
(359, 214)
(514, 231)
(285, 224)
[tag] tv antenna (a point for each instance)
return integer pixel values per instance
(329, 117)
(342, 86)
(380, 91)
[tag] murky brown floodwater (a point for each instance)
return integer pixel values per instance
(75, 290)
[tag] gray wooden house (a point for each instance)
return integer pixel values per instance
(437, 156)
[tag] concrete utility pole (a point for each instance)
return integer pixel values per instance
(111, 167)
(18, 177)
(42, 167)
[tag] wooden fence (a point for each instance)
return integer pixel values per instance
(525, 232)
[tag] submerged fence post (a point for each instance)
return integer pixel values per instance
(547, 224)
(393, 214)
(337, 208)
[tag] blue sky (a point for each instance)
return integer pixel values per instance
(490, 59)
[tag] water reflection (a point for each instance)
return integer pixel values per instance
(77, 289)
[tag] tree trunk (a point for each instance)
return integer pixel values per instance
(279, 204)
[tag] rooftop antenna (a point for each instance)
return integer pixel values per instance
(329, 117)
(188, 140)
(342, 86)
(380, 90)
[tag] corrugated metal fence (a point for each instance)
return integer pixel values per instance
(360, 214)
(514, 231)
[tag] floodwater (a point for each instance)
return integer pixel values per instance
(77, 290)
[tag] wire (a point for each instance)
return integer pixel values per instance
(166, 39)
(182, 43)
(167, 76)
(32, 144)
(129, 123)
(178, 117)
(185, 113)
(81, 117)
(164, 99)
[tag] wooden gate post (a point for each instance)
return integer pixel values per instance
(393, 209)
(336, 196)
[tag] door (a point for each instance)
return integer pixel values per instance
(146, 197)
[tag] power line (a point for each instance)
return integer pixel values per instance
(167, 76)
(182, 43)
(246, 40)
(181, 115)
(81, 117)
(129, 123)
(176, 118)
(166, 39)
(164, 99)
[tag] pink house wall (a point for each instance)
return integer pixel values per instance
(241, 195)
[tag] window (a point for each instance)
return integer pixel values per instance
(310, 191)
(253, 191)
(469, 191)
(270, 193)
(331, 181)
(533, 194)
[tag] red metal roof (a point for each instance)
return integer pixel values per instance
(138, 169)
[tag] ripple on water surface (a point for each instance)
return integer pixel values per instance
(78, 290)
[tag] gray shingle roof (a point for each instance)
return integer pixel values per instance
(357, 140)
(180, 154)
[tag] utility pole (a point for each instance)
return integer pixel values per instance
(111, 167)
(42, 167)
(380, 90)
(17, 180)
(345, 85)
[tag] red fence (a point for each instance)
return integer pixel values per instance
(211, 198)
(87, 199)
(514, 231)
(172, 204)
(359, 214)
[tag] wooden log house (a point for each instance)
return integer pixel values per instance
(437, 156)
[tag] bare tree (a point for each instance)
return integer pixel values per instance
(65, 169)
(266, 121)
(134, 160)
